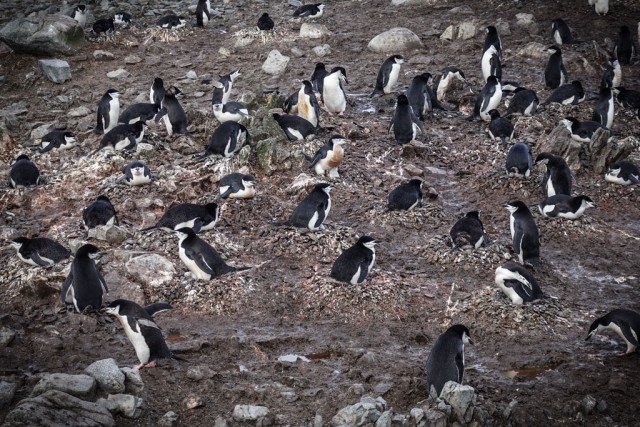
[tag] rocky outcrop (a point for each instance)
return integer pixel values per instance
(49, 35)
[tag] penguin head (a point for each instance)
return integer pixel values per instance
(586, 201)
(212, 209)
(234, 75)
(103, 198)
(158, 82)
(81, 8)
(553, 50)
(217, 107)
(577, 84)
(595, 328)
(473, 214)
(367, 241)
(87, 251)
(320, 6)
(173, 91)
(494, 114)
(136, 168)
(545, 157)
(137, 127)
(69, 137)
(123, 307)
(21, 157)
(515, 205)
(342, 75)
(403, 100)
(320, 66)
(307, 87)
(397, 59)
(462, 332)
(18, 242)
(568, 122)
(624, 31)
(614, 62)
(492, 80)
(185, 231)
(491, 30)
(425, 77)
(337, 140)
(326, 187)
(416, 183)
(248, 181)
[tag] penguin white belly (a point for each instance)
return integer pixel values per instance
(185, 224)
(479, 242)
(246, 193)
(137, 340)
(373, 261)
(615, 328)
(557, 38)
(512, 227)
(296, 134)
(139, 179)
(568, 101)
(27, 260)
(550, 190)
(312, 222)
(122, 144)
(443, 86)
(354, 279)
(393, 78)
(192, 266)
(168, 124)
(140, 137)
(614, 178)
(114, 113)
(529, 110)
(333, 95)
(610, 114)
(486, 64)
(493, 103)
(68, 143)
(151, 101)
(224, 188)
(573, 215)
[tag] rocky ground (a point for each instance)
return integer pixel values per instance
(241, 333)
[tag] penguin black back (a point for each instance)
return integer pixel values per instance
(524, 232)
(24, 173)
(265, 23)
(446, 359)
(406, 196)
(100, 212)
(355, 263)
(468, 230)
(84, 287)
(418, 95)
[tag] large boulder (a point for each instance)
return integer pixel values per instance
(395, 40)
(462, 399)
(81, 386)
(106, 372)
(151, 270)
(48, 35)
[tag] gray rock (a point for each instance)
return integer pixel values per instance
(467, 30)
(109, 377)
(198, 373)
(81, 111)
(310, 30)
(357, 389)
(524, 19)
(55, 408)
(192, 75)
(395, 40)
(132, 380)
(102, 54)
(385, 419)
(48, 35)
(461, 397)
(449, 33)
(81, 386)
(220, 422)
(7, 391)
(123, 404)
(170, 419)
(318, 421)
(112, 234)
(322, 50)
(249, 412)
(364, 412)
(588, 404)
(276, 63)
(119, 74)
(193, 401)
(417, 414)
(132, 59)
(435, 418)
(152, 270)
(534, 50)
(40, 131)
(297, 52)
(56, 70)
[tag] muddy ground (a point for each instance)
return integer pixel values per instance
(378, 335)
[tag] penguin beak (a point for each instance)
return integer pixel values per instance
(505, 204)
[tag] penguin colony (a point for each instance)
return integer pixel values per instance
(85, 289)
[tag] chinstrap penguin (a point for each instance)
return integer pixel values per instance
(136, 173)
(519, 160)
(200, 257)
(524, 101)
(418, 95)
(490, 63)
(100, 212)
(203, 13)
(524, 232)
(80, 15)
(103, 26)
(84, 287)
(612, 76)
(237, 185)
(563, 206)
(309, 11)
(447, 77)
(308, 107)
(221, 94)
(625, 323)
(492, 38)
(313, 210)
(623, 172)
(24, 173)
(517, 283)
(388, 75)
(143, 111)
(156, 93)
(175, 119)
(39, 251)
(231, 111)
(558, 178)
(122, 137)
(171, 21)
(328, 157)
(627, 98)
(295, 127)
(58, 139)
(601, 7)
(603, 112)
(569, 93)
(500, 128)
(406, 196)
(227, 140)
(405, 124)
(122, 18)
(468, 230)
(625, 48)
(355, 263)
(317, 78)
(554, 73)
(108, 111)
(265, 23)
(446, 359)
(332, 90)
(581, 131)
(488, 99)
(560, 32)
(188, 215)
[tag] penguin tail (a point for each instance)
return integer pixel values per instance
(634, 180)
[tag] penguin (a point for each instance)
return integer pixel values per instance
(558, 178)
(222, 94)
(418, 95)
(580, 131)
(563, 206)
(317, 78)
(333, 96)
(468, 230)
(603, 112)
(490, 63)
(406, 196)
(623, 172)
(625, 49)
(355, 263)
(308, 107)
(122, 18)
(237, 186)
(142, 331)
(24, 173)
(554, 73)
(388, 75)
(80, 15)
(601, 7)
(446, 359)
(612, 77)
(519, 160)
(500, 128)
(58, 139)
(40, 251)
(156, 94)
(100, 212)
(139, 112)
(231, 111)
(104, 25)
(524, 101)
(122, 137)
(227, 140)
(296, 128)
(189, 215)
(488, 99)
(328, 157)
(625, 323)
(136, 173)
(567, 94)
(517, 283)
(405, 124)
(313, 210)
(560, 32)
(492, 38)
(108, 111)
(628, 98)
(265, 23)
(203, 13)
(447, 76)
(524, 232)
(171, 21)
(84, 287)
(309, 11)
(200, 258)
(175, 119)
(509, 88)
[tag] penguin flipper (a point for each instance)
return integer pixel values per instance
(628, 333)
(35, 257)
(156, 308)
(66, 287)
(634, 179)
(160, 114)
(314, 160)
(227, 193)
(460, 366)
(518, 237)
(202, 265)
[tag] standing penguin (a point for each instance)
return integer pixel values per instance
(488, 99)
(175, 119)
(200, 258)
(519, 160)
(625, 323)
(446, 359)
(265, 23)
(190, 215)
(108, 111)
(59, 139)
(447, 77)
(203, 13)
(612, 77)
(563, 206)
(136, 173)
(308, 107)
(524, 232)
(317, 78)
(468, 230)
(80, 15)
(313, 210)
(418, 95)
(309, 11)
(296, 128)
(222, 94)
(156, 94)
(524, 101)
(490, 63)
(517, 283)
(388, 75)
(328, 157)
(500, 128)
(581, 131)
(333, 96)
(603, 111)
(24, 173)
(554, 73)
(355, 263)
(84, 287)
(492, 38)
(227, 139)
(558, 178)
(100, 212)
(406, 196)
(601, 6)
(623, 172)
(560, 32)
(625, 49)
(567, 94)
(237, 185)
(405, 124)
(40, 251)
(142, 331)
